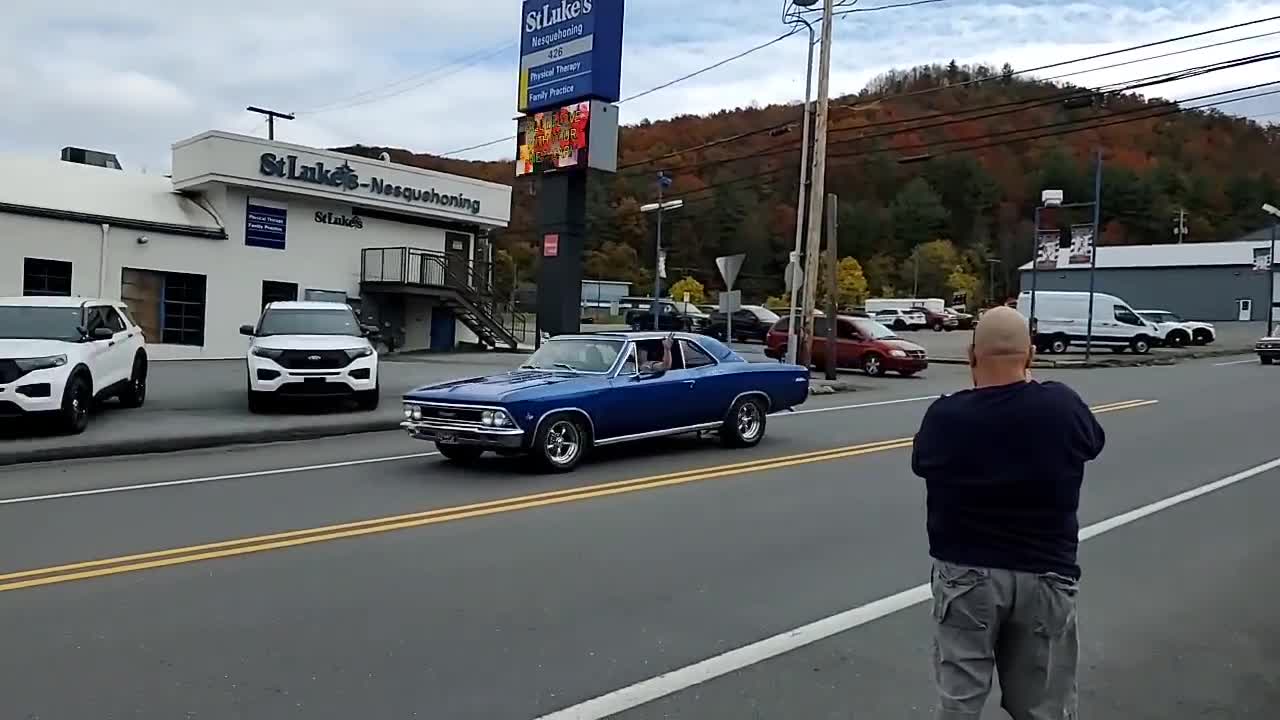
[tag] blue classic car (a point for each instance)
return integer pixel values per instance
(580, 391)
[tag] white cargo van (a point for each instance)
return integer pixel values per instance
(1062, 319)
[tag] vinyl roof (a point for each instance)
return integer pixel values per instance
(1205, 254)
(51, 184)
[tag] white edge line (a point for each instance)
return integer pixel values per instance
(1236, 362)
(334, 465)
(683, 678)
(212, 478)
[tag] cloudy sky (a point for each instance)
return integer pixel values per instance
(438, 75)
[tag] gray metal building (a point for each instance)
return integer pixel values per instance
(1198, 281)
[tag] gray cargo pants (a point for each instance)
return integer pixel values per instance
(1022, 625)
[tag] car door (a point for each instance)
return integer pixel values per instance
(104, 362)
(710, 391)
(849, 344)
(653, 402)
(130, 341)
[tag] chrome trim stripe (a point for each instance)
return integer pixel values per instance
(444, 427)
(453, 405)
(660, 433)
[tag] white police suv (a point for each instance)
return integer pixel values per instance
(60, 354)
(310, 349)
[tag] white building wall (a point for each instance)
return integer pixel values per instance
(76, 243)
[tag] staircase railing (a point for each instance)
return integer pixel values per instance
(410, 266)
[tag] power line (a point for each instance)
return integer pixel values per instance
(999, 109)
(913, 3)
(778, 126)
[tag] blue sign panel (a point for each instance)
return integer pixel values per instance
(265, 226)
(570, 50)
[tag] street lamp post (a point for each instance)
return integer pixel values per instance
(1274, 212)
(660, 207)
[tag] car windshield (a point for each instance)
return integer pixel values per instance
(765, 314)
(589, 355)
(872, 329)
(339, 321)
(24, 322)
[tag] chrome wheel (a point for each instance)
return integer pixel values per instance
(871, 365)
(748, 420)
(563, 443)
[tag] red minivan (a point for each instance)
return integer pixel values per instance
(861, 343)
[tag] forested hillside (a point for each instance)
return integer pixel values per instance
(979, 146)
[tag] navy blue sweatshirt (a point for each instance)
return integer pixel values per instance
(1003, 467)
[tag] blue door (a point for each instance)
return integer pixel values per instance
(443, 329)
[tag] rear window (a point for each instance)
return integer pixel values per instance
(717, 349)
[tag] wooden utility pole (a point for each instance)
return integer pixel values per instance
(833, 284)
(813, 247)
(271, 119)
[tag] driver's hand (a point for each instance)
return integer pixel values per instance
(666, 342)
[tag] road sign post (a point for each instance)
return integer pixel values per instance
(729, 266)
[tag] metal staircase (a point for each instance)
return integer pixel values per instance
(494, 321)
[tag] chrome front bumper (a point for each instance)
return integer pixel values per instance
(455, 434)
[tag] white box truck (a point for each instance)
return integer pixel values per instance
(1062, 319)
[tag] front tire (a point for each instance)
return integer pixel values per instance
(899, 325)
(938, 327)
(1141, 345)
(135, 394)
(1266, 359)
(259, 402)
(77, 398)
(745, 425)
(560, 443)
(1058, 344)
(460, 454)
(873, 365)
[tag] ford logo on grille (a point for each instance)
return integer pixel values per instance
(314, 358)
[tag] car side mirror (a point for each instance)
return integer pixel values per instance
(246, 330)
(102, 333)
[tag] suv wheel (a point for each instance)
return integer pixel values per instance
(77, 398)
(368, 399)
(259, 402)
(1178, 338)
(135, 394)
(937, 327)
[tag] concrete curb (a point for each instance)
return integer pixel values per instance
(1117, 360)
(148, 446)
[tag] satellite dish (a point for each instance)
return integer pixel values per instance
(385, 156)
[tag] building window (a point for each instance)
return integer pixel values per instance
(46, 277)
(168, 306)
(275, 291)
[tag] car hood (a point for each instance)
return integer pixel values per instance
(901, 345)
(490, 388)
(1197, 324)
(310, 342)
(18, 348)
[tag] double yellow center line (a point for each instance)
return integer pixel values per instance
(278, 541)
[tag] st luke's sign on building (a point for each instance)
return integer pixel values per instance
(344, 177)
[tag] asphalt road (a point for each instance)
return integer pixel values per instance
(234, 584)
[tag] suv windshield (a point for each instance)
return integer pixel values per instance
(340, 321)
(24, 322)
(578, 355)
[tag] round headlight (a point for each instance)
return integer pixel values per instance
(501, 420)
(408, 412)
(417, 412)
(486, 417)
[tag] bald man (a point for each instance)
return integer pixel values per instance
(1003, 464)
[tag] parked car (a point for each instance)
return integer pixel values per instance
(861, 343)
(899, 319)
(59, 355)
(1268, 348)
(310, 349)
(939, 320)
(1062, 318)
(1178, 332)
(578, 392)
(750, 322)
(672, 315)
(964, 320)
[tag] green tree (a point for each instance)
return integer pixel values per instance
(962, 281)
(851, 284)
(613, 261)
(918, 215)
(880, 272)
(697, 293)
(926, 270)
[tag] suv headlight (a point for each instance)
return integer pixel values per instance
(40, 363)
(267, 352)
(359, 352)
(898, 353)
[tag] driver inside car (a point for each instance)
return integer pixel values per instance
(650, 361)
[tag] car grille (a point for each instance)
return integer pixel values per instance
(314, 389)
(313, 359)
(1269, 346)
(916, 354)
(9, 371)
(452, 414)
